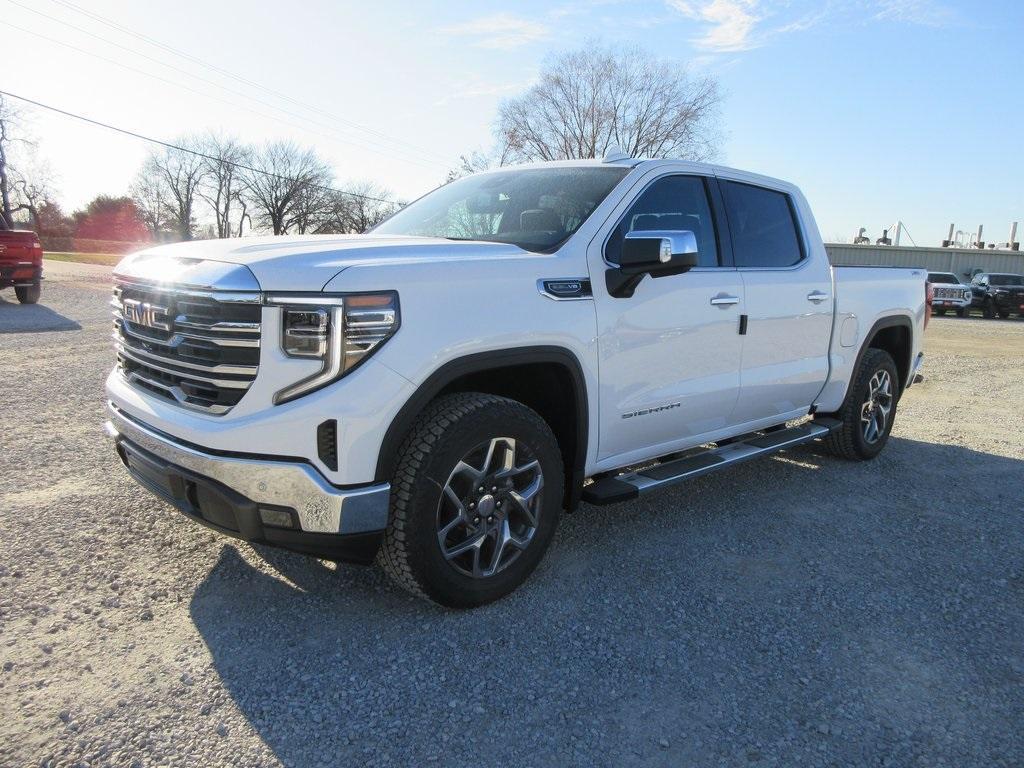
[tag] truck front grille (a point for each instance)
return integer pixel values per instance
(199, 349)
(952, 293)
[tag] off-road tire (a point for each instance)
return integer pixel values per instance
(848, 440)
(449, 427)
(28, 294)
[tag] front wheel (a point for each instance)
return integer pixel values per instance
(940, 312)
(474, 500)
(28, 294)
(963, 312)
(1004, 313)
(869, 409)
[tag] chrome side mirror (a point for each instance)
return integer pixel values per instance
(639, 245)
(651, 252)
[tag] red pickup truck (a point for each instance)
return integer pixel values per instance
(21, 263)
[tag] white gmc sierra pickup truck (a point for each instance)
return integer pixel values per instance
(434, 393)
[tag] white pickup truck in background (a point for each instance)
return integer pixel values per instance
(949, 292)
(434, 393)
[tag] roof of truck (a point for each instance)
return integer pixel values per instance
(691, 166)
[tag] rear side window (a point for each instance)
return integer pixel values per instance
(671, 203)
(762, 225)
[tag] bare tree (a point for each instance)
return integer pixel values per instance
(152, 200)
(11, 132)
(223, 182)
(286, 187)
(596, 98)
(474, 162)
(174, 176)
(361, 207)
(313, 210)
(30, 187)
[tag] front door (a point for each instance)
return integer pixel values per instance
(670, 354)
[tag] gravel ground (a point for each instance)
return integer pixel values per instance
(798, 610)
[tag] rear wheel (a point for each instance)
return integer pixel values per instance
(28, 294)
(869, 409)
(474, 501)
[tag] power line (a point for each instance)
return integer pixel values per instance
(238, 78)
(185, 72)
(197, 153)
(121, 64)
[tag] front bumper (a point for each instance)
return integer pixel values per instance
(950, 303)
(238, 495)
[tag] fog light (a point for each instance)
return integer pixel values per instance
(277, 518)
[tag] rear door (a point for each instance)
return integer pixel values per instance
(788, 303)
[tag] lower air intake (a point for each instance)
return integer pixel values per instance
(327, 443)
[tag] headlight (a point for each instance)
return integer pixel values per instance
(339, 330)
(305, 332)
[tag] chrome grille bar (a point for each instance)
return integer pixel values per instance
(197, 348)
(224, 383)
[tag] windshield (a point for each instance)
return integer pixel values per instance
(1005, 280)
(941, 277)
(534, 208)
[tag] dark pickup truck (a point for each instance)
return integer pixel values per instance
(21, 263)
(998, 294)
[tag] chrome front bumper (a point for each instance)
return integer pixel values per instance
(320, 506)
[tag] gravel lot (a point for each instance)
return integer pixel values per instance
(799, 610)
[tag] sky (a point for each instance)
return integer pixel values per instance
(881, 110)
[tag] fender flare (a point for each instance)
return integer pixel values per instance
(443, 376)
(892, 321)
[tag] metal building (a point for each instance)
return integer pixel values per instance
(964, 262)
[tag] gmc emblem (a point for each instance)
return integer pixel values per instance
(146, 314)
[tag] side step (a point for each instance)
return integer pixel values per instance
(629, 485)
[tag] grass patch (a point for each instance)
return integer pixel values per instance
(109, 259)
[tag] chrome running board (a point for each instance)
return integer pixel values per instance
(631, 484)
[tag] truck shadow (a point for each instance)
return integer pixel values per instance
(645, 618)
(32, 318)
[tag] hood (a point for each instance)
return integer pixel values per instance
(309, 262)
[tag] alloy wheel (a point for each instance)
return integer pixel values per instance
(490, 507)
(875, 411)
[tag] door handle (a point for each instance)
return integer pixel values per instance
(724, 300)
(817, 296)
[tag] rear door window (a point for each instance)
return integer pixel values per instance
(762, 225)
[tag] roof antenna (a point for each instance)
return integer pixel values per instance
(614, 154)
